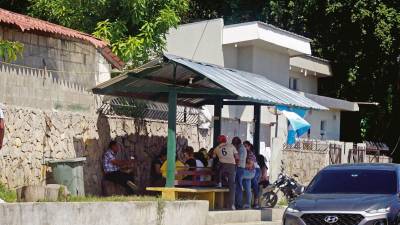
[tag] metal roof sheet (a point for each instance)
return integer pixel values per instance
(249, 86)
(234, 84)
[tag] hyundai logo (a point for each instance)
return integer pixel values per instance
(331, 219)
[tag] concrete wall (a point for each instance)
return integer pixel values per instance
(201, 41)
(332, 118)
(52, 73)
(272, 63)
(308, 84)
(41, 89)
(105, 213)
(77, 62)
(34, 136)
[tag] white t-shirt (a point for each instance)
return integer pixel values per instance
(1, 114)
(226, 153)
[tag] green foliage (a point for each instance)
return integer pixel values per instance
(10, 50)
(6, 194)
(135, 29)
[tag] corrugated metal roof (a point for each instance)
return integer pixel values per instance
(334, 103)
(249, 86)
(191, 75)
(30, 24)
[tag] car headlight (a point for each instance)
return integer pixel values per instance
(376, 211)
(292, 210)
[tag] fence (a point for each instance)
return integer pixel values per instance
(337, 152)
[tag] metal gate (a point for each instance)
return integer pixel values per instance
(335, 154)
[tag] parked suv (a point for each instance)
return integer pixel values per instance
(349, 194)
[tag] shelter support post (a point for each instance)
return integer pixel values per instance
(217, 120)
(171, 146)
(257, 124)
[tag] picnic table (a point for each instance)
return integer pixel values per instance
(215, 196)
(195, 188)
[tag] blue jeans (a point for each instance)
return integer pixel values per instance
(243, 183)
(255, 183)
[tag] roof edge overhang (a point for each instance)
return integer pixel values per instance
(334, 103)
(245, 32)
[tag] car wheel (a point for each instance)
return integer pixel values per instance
(269, 199)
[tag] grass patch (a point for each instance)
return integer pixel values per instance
(111, 198)
(7, 194)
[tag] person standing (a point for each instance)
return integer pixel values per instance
(2, 128)
(249, 174)
(112, 168)
(255, 182)
(227, 156)
(240, 169)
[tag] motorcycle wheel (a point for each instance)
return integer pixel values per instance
(269, 199)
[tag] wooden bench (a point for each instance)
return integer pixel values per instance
(194, 188)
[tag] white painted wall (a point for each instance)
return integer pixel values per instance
(308, 84)
(272, 64)
(332, 118)
(201, 41)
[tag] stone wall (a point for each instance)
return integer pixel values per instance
(34, 136)
(305, 164)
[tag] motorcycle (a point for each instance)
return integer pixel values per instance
(290, 188)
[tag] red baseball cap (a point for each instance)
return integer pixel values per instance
(221, 139)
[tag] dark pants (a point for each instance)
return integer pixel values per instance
(229, 171)
(120, 178)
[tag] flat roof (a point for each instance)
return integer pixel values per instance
(251, 31)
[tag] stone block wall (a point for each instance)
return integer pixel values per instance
(305, 164)
(34, 136)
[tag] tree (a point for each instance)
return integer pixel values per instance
(10, 50)
(361, 39)
(135, 29)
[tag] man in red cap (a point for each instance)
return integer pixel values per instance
(228, 156)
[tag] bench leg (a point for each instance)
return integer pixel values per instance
(219, 200)
(168, 195)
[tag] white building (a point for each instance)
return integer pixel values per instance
(260, 48)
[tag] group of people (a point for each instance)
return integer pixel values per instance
(242, 169)
(236, 165)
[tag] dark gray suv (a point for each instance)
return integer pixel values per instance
(349, 194)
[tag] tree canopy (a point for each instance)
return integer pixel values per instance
(135, 29)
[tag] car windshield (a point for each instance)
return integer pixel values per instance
(354, 182)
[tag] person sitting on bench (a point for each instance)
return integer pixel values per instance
(112, 168)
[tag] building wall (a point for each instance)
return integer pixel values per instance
(52, 73)
(273, 64)
(332, 118)
(308, 84)
(34, 136)
(201, 41)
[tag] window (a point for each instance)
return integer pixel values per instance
(293, 83)
(323, 125)
(354, 181)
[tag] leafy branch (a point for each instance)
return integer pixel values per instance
(10, 50)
